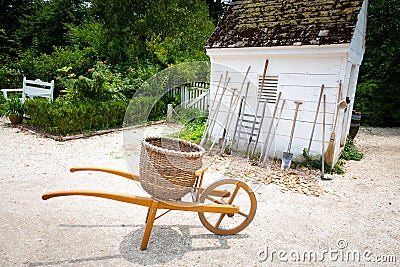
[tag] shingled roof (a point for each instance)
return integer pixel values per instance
(265, 23)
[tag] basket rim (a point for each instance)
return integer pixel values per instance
(174, 152)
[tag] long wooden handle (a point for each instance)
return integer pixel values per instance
(323, 142)
(112, 171)
(294, 124)
(203, 138)
(270, 126)
(315, 118)
(257, 106)
(263, 77)
(337, 108)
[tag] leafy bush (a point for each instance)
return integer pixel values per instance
(13, 105)
(193, 130)
(350, 151)
(378, 102)
(101, 83)
(317, 164)
(62, 117)
(159, 110)
(9, 76)
(135, 73)
(183, 115)
(2, 107)
(45, 66)
(146, 108)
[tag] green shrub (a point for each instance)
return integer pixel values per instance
(62, 117)
(100, 83)
(183, 115)
(193, 130)
(378, 102)
(159, 110)
(134, 73)
(10, 77)
(317, 164)
(2, 107)
(350, 152)
(45, 66)
(13, 105)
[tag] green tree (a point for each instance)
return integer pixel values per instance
(217, 9)
(378, 92)
(46, 26)
(164, 31)
(11, 13)
(180, 31)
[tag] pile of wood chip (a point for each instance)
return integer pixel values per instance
(301, 180)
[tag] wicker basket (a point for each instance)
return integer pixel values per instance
(167, 166)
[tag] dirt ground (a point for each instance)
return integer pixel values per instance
(356, 222)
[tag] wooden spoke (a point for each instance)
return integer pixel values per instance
(243, 214)
(221, 217)
(240, 196)
(214, 200)
(234, 194)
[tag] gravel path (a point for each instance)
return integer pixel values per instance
(360, 216)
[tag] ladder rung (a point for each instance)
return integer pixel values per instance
(250, 115)
(250, 127)
(251, 121)
(247, 139)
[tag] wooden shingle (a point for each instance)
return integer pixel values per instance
(265, 23)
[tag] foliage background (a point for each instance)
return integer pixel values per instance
(378, 91)
(139, 38)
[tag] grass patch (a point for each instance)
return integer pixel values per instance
(317, 164)
(192, 130)
(350, 152)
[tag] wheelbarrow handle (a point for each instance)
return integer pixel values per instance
(112, 171)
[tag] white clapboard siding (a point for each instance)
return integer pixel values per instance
(357, 45)
(299, 73)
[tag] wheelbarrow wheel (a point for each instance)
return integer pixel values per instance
(237, 194)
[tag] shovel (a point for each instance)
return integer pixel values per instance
(287, 156)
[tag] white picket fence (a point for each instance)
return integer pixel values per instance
(193, 95)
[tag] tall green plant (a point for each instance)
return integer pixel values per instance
(13, 105)
(100, 83)
(378, 92)
(350, 151)
(2, 107)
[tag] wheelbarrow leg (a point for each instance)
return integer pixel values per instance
(151, 214)
(147, 215)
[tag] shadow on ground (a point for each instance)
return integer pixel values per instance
(167, 242)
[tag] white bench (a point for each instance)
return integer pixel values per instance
(33, 88)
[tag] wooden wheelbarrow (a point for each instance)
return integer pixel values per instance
(224, 207)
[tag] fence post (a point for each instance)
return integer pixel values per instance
(169, 112)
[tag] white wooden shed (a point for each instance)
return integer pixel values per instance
(308, 44)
